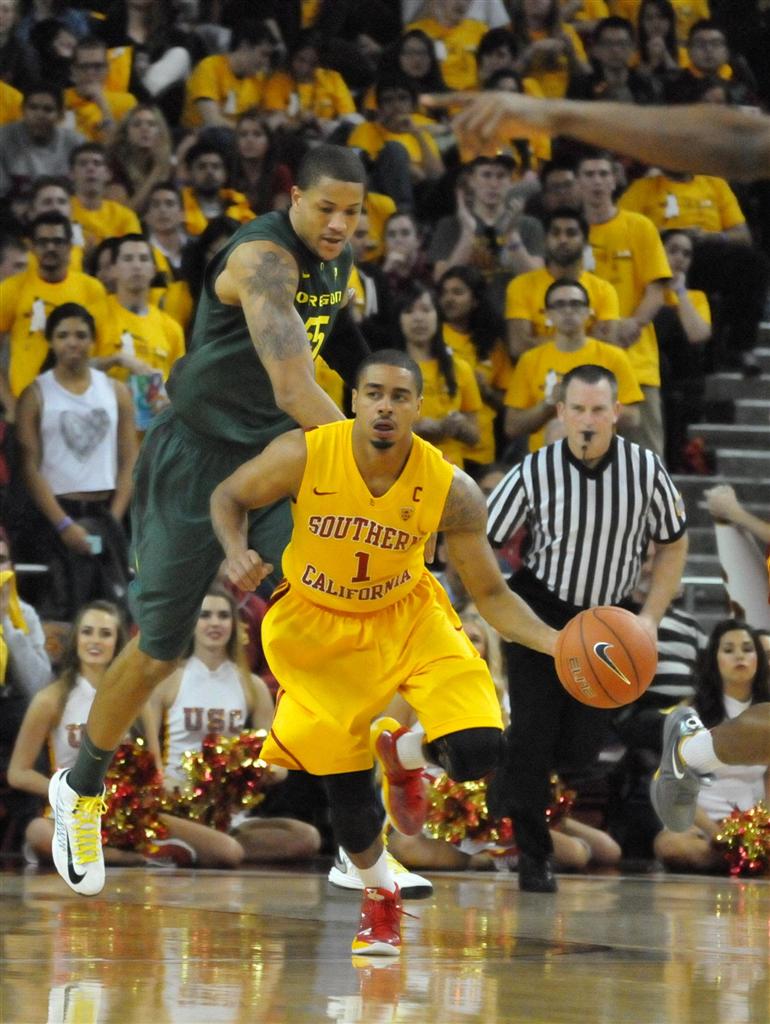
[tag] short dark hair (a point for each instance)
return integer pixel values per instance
(164, 186)
(132, 236)
(613, 22)
(565, 282)
(253, 32)
(495, 39)
(52, 217)
(590, 373)
(594, 154)
(63, 312)
(705, 25)
(87, 147)
(670, 232)
(204, 149)
(327, 161)
(44, 89)
(394, 80)
(391, 357)
(110, 245)
(566, 213)
(49, 181)
(553, 167)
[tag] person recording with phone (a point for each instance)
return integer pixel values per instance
(78, 448)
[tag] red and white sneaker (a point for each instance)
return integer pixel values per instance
(404, 790)
(379, 932)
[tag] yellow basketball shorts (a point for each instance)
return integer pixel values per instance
(338, 671)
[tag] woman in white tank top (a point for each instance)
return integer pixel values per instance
(76, 430)
(733, 674)
(56, 717)
(213, 691)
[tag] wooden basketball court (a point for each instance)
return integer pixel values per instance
(270, 947)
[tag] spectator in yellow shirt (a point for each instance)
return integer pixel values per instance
(27, 299)
(51, 192)
(451, 400)
(98, 217)
(533, 393)
(224, 85)
(549, 50)
(164, 221)
(399, 142)
(141, 339)
(474, 331)
(456, 39)
(96, 109)
(725, 263)
(306, 98)
(527, 321)
(207, 196)
(626, 250)
(709, 59)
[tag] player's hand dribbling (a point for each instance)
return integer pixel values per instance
(246, 569)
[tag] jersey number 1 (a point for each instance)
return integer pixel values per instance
(362, 557)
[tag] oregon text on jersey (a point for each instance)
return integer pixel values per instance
(326, 299)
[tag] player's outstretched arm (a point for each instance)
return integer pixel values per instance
(262, 278)
(464, 525)
(702, 137)
(274, 474)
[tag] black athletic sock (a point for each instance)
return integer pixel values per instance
(87, 777)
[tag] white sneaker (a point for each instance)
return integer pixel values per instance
(344, 875)
(77, 839)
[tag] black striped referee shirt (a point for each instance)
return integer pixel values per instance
(588, 528)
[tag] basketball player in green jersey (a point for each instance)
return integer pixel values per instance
(268, 305)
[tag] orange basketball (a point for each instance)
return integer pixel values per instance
(604, 657)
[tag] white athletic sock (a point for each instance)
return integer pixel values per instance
(698, 752)
(409, 748)
(379, 875)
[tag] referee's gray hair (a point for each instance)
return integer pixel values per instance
(590, 373)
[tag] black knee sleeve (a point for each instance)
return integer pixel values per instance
(468, 754)
(356, 812)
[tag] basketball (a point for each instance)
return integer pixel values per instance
(604, 657)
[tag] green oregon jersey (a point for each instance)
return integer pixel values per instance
(220, 389)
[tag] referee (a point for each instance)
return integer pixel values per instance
(591, 503)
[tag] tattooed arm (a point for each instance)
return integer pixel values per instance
(464, 525)
(261, 277)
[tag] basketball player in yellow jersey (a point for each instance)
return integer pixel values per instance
(358, 618)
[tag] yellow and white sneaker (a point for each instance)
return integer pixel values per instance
(77, 839)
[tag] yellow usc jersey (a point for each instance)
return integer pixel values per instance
(352, 551)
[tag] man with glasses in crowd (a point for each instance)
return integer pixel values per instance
(28, 298)
(533, 393)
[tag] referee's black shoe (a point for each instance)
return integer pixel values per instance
(536, 875)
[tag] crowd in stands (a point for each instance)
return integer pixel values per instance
(135, 138)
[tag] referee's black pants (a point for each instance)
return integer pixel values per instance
(550, 731)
